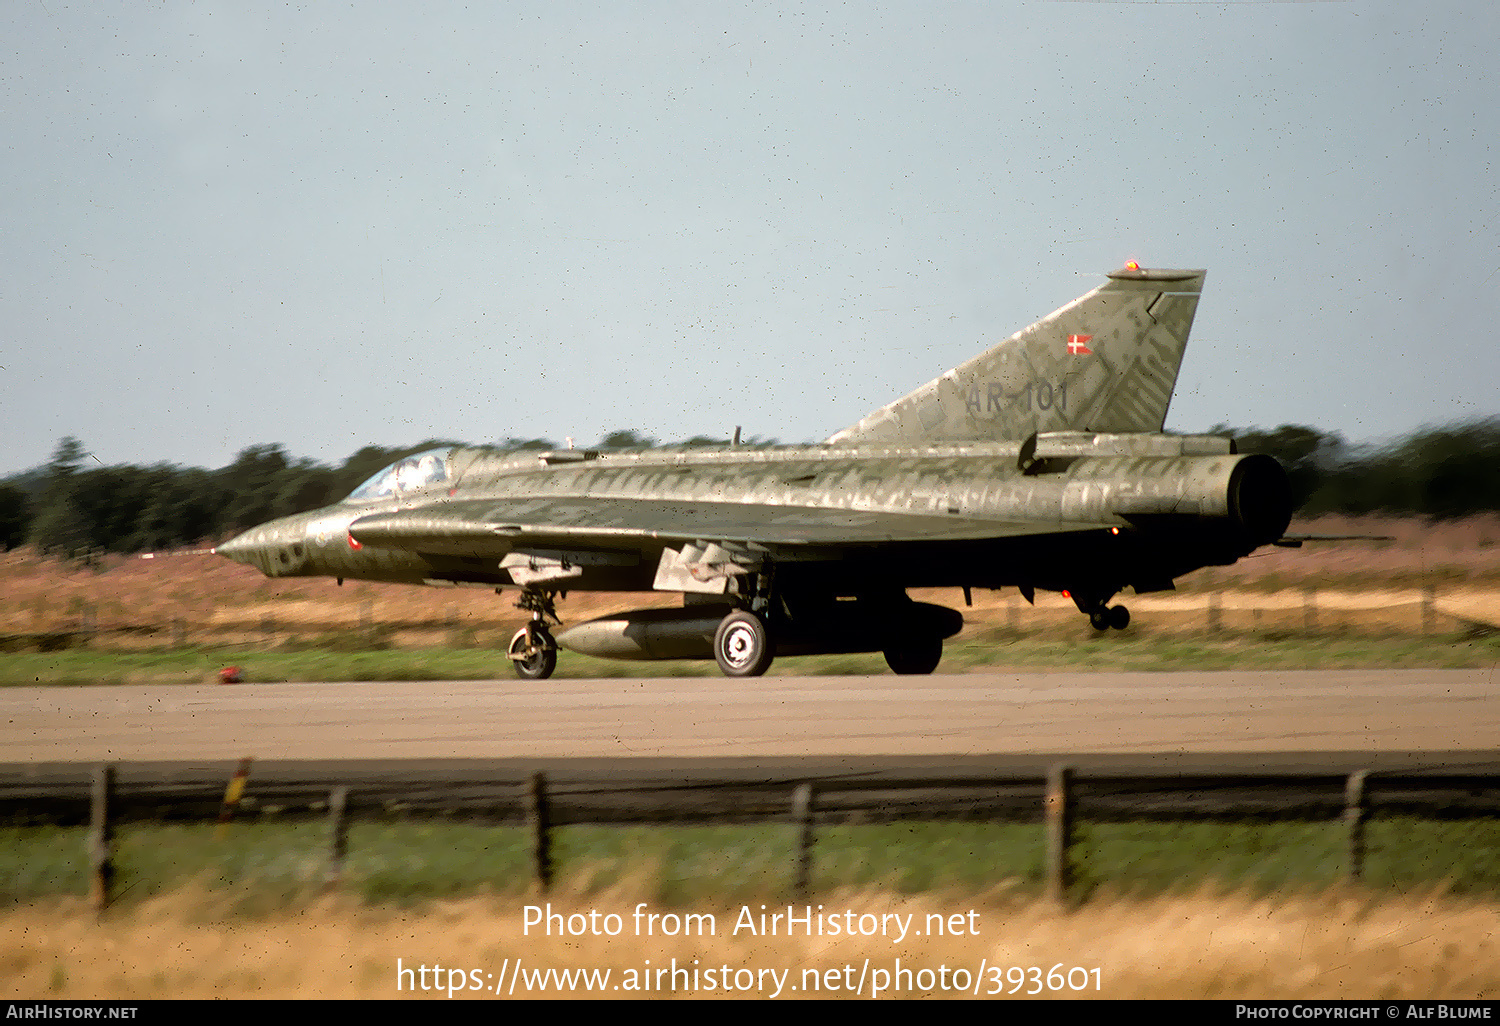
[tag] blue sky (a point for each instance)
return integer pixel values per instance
(333, 225)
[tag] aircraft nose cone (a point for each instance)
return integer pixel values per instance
(276, 549)
(241, 548)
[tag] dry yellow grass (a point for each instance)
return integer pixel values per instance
(1340, 944)
(1441, 553)
(215, 601)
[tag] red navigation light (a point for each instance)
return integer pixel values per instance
(354, 544)
(1114, 530)
(1131, 265)
(1067, 593)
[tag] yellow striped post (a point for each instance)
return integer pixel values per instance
(232, 795)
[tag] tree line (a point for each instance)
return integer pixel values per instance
(71, 507)
(1444, 472)
(74, 505)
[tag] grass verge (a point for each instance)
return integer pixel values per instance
(1336, 943)
(997, 649)
(260, 866)
(440, 911)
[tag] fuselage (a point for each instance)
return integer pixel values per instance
(1066, 510)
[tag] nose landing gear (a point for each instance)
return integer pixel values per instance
(533, 650)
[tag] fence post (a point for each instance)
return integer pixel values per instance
(1354, 818)
(1428, 594)
(802, 815)
(338, 834)
(1213, 612)
(101, 837)
(1309, 608)
(1058, 807)
(539, 818)
(232, 795)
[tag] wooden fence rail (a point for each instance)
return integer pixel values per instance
(1449, 794)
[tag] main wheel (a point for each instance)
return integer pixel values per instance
(534, 653)
(742, 645)
(1099, 619)
(916, 655)
(1119, 617)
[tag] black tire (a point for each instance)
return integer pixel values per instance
(1099, 619)
(742, 645)
(1119, 617)
(540, 664)
(917, 656)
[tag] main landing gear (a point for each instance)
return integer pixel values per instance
(532, 649)
(745, 640)
(909, 634)
(916, 655)
(1102, 619)
(1101, 616)
(742, 645)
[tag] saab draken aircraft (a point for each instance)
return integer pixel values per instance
(1040, 464)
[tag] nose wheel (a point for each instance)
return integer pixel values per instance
(532, 649)
(533, 652)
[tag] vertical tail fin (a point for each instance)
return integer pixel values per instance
(1106, 362)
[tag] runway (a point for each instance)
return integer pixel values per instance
(958, 716)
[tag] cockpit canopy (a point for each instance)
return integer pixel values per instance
(408, 475)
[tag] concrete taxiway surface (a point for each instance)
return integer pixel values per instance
(785, 717)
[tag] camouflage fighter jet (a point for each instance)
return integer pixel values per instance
(1038, 464)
